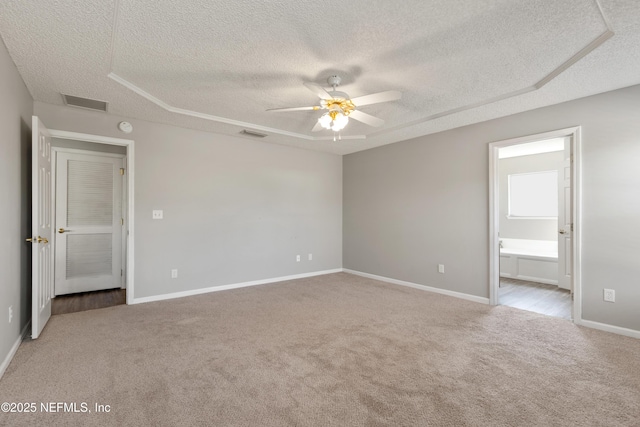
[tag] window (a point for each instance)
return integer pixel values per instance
(533, 195)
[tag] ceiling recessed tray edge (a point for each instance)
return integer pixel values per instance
(598, 41)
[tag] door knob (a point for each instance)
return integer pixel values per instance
(62, 230)
(38, 239)
(563, 232)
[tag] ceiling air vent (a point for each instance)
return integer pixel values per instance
(89, 104)
(253, 134)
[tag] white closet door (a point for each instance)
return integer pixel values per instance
(88, 222)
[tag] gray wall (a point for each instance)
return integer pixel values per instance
(411, 205)
(16, 107)
(522, 228)
(235, 209)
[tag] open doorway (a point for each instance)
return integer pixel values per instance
(534, 223)
(45, 227)
(90, 223)
(530, 204)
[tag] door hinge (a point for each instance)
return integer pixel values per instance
(121, 221)
(121, 171)
(121, 273)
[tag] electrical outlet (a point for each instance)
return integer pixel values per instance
(310, 257)
(10, 313)
(297, 258)
(157, 214)
(610, 295)
(441, 268)
(174, 273)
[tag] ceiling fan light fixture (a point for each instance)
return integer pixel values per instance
(341, 106)
(339, 122)
(325, 121)
(335, 119)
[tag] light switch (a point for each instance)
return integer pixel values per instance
(157, 214)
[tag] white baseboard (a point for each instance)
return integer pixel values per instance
(608, 328)
(232, 286)
(14, 348)
(421, 287)
(531, 279)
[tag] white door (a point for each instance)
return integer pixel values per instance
(565, 227)
(89, 222)
(42, 255)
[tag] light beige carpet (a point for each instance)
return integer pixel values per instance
(336, 350)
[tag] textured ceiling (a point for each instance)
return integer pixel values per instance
(219, 65)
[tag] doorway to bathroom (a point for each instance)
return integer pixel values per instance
(533, 223)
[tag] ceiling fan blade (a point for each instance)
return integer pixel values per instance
(318, 90)
(315, 107)
(317, 128)
(374, 98)
(365, 118)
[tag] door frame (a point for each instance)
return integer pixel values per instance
(576, 200)
(129, 239)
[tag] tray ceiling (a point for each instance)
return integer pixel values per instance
(218, 66)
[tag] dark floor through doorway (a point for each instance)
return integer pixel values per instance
(73, 303)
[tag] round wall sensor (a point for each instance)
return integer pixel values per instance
(125, 127)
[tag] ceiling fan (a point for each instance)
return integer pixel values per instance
(340, 107)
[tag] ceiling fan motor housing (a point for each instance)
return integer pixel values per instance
(340, 99)
(336, 94)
